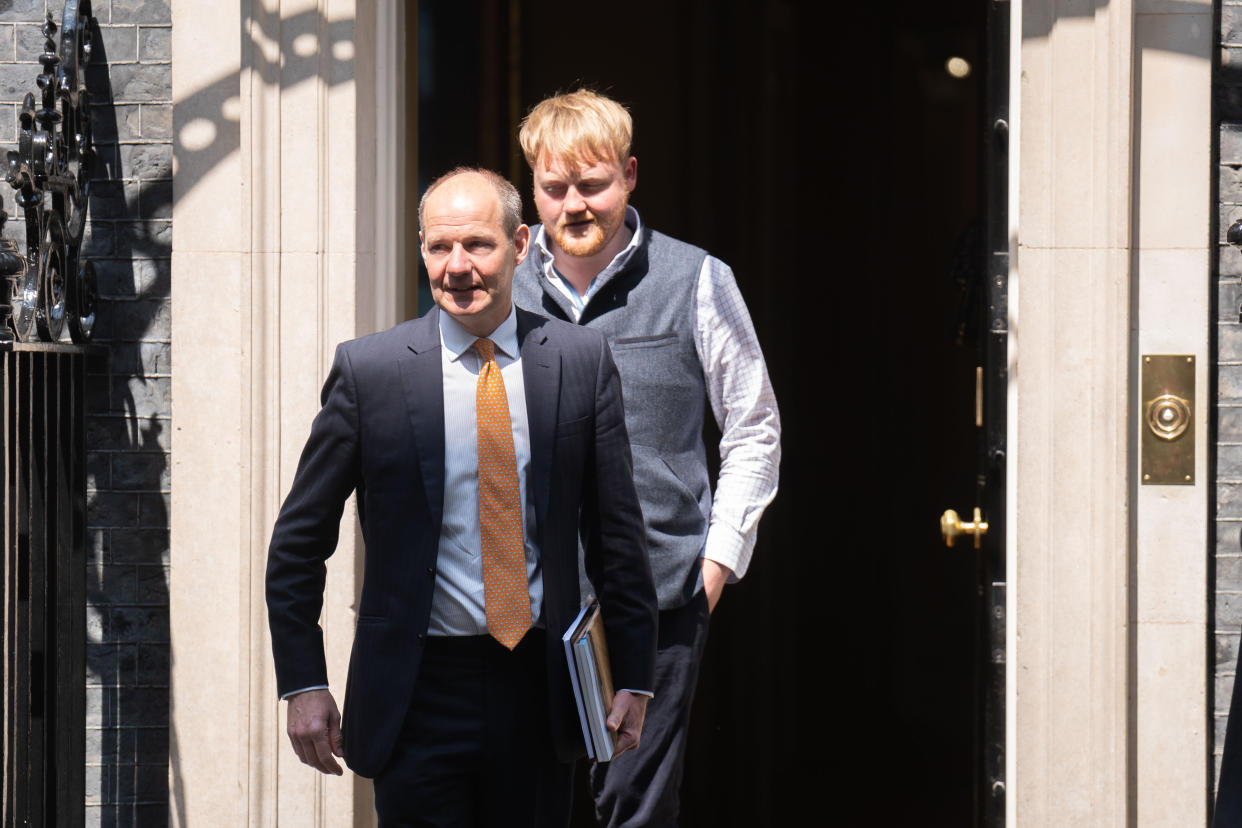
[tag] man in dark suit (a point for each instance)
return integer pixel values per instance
(458, 699)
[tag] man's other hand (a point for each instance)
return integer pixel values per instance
(715, 576)
(315, 730)
(626, 719)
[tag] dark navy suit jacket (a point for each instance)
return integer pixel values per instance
(380, 432)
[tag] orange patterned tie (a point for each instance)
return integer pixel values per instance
(506, 594)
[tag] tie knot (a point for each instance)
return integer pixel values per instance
(486, 349)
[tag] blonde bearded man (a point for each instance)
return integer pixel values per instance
(682, 339)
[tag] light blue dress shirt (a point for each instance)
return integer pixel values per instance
(457, 608)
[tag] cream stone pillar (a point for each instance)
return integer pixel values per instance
(274, 258)
(1173, 227)
(1111, 190)
(209, 557)
(1069, 702)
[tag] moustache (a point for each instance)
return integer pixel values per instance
(578, 218)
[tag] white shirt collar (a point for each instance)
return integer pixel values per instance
(457, 340)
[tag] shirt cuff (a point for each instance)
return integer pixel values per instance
(646, 693)
(727, 547)
(293, 693)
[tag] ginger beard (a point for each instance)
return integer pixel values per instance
(586, 233)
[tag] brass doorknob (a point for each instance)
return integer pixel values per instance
(951, 526)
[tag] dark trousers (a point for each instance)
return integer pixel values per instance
(475, 750)
(641, 787)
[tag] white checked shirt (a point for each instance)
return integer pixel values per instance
(737, 387)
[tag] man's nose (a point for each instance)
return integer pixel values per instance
(574, 202)
(457, 260)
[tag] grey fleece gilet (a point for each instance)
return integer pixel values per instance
(644, 309)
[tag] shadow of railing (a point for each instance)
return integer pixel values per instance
(129, 239)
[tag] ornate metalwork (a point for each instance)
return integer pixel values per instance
(51, 171)
(12, 268)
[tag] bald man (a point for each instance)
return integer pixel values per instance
(483, 441)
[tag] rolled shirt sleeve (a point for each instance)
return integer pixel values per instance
(745, 409)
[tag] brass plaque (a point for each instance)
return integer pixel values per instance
(1167, 420)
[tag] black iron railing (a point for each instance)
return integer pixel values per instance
(43, 584)
(44, 289)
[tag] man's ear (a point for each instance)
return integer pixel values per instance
(521, 243)
(631, 174)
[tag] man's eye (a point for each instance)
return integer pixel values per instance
(555, 190)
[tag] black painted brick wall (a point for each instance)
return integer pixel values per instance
(1227, 91)
(128, 427)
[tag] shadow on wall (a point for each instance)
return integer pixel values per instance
(128, 390)
(129, 238)
(131, 243)
(203, 140)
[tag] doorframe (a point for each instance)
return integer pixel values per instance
(1014, 73)
(994, 465)
(1112, 222)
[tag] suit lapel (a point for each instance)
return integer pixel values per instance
(423, 384)
(541, 373)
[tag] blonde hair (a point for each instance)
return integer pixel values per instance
(578, 127)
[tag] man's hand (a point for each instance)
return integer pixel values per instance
(315, 730)
(626, 719)
(715, 576)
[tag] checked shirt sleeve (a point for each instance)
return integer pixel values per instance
(745, 409)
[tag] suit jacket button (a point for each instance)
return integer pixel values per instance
(431, 570)
(421, 636)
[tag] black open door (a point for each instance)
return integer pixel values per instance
(838, 160)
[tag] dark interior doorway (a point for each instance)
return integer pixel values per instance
(826, 153)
